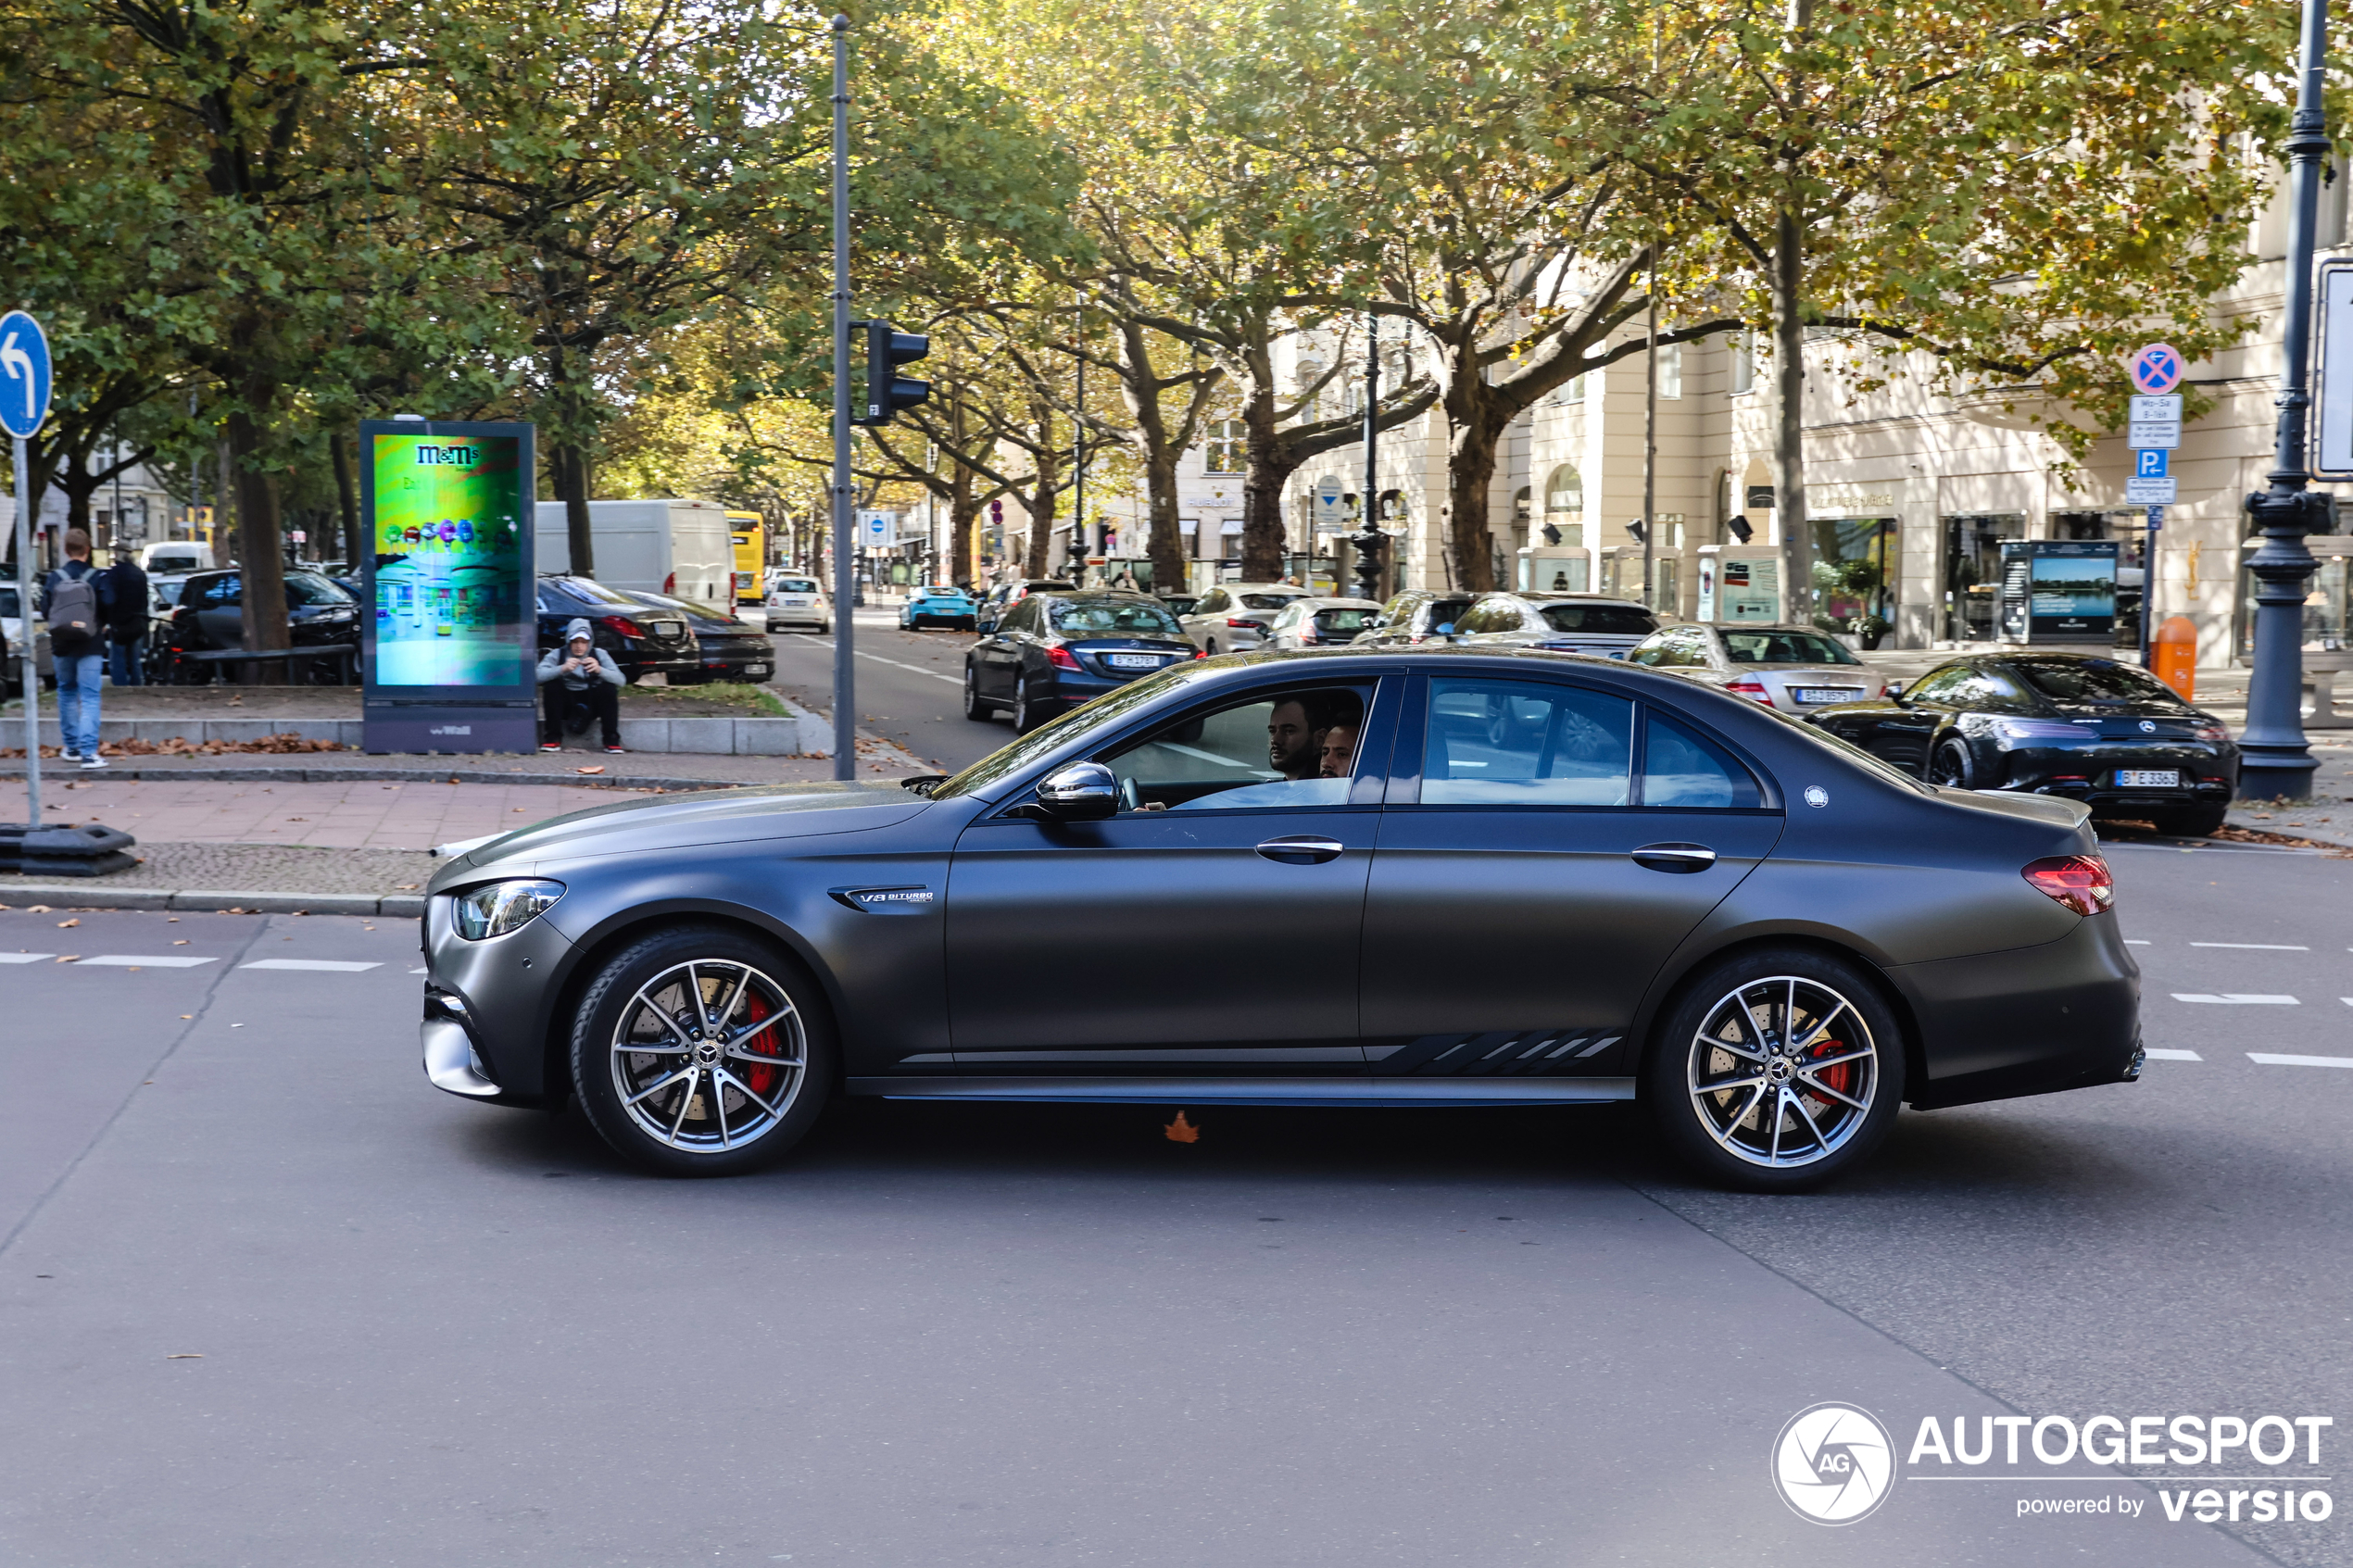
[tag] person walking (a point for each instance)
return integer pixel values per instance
(577, 681)
(127, 624)
(77, 599)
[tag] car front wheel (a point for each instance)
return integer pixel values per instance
(1776, 1071)
(1025, 715)
(701, 1051)
(1950, 766)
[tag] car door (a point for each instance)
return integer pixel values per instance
(1901, 732)
(1213, 926)
(996, 658)
(1547, 846)
(221, 612)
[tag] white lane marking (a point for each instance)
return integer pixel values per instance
(25, 958)
(2240, 998)
(2273, 1059)
(174, 961)
(420, 971)
(2156, 1055)
(333, 966)
(2256, 947)
(894, 663)
(2131, 943)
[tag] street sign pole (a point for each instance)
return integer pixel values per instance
(2275, 762)
(27, 663)
(846, 544)
(2148, 580)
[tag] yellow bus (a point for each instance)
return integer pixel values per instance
(751, 556)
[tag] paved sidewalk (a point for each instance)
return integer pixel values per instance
(362, 814)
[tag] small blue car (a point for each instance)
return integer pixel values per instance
(940, 607)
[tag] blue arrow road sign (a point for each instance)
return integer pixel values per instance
(24, 375)
(2148, 462)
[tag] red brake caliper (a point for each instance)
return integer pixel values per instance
(1838, 1076)
(760, 1077)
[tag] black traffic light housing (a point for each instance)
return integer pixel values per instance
(886, 390)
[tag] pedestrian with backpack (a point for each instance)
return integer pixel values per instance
(127, 624)
(76, 599)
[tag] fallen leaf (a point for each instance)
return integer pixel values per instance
(404, 887)
(70, 958)
(171, 920)
(180, 941)
(598, 768)
(63, 923)
(187, 1015)
(37, 909)
(185, 1356)
(132, 969)
(1182, 1131)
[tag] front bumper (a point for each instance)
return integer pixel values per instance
(488, 1010)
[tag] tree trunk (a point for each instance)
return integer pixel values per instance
(356, 550)
(1477, 430)
(261, 553)
(1265, 540)
(1789, 423)
(1041, 515)
(1156, 457)
(569, 469)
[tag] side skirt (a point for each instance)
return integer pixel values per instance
(1256, 1090)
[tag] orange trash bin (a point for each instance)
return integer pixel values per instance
(2174, 652)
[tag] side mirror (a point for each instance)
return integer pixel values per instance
(1084, 792)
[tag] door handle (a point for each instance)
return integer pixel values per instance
(1302, 849)
(1674, 857)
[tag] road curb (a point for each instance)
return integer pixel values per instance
(95, 894)
(401, 775)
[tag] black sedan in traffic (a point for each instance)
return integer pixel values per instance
(210, 618)
(2100, 732)
(642, 640)
(1322, 878)
(1051, 651)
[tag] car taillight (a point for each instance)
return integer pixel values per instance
(1750, 689)
(1060, 658)
(621, 624)
(1246, 625)
(2079, 882)
(2211, 731)
(1200, 653)
(669, 583)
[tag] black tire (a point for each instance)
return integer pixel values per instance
(1025, 717)
(1949, 765)
(641, 994)
(1836, 1096)
(2189, 821)
(976, 706)
(1212, 650)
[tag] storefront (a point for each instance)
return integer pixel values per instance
(1973, 574)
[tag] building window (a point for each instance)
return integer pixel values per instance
(1671, 369)
(1565, 492)
(1744, 361)
(1229, 447)
(1575, 390)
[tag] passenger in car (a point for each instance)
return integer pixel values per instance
(1339, 751)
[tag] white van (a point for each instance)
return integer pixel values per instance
(682, 548)
(177, 555)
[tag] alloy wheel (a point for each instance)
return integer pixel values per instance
(1949, 766)
(708, 1055)
(1782, 1072)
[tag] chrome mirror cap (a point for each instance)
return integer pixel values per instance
(1084, 792)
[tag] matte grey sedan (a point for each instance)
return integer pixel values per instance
(1325, 878)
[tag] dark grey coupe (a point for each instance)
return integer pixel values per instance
(1410, 878)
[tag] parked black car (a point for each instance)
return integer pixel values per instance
(1006, 594)
(2095, 730)
(1414, 617)
(1052, 651)
(210, 617)
(1563, 623)
(729, 649)
(642, 640)
(1593, 882)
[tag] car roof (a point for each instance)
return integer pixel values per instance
(1536, 597)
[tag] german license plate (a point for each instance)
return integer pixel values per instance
(665, 627)
(2148, 778)
(1133, 661)
(1828, 693)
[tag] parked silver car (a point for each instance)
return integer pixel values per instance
(1794, 669)
(1320, 622)
(1563, 622)
(1233, 617)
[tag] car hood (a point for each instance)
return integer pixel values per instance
(766, 813)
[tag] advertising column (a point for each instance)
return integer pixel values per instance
(451, 648)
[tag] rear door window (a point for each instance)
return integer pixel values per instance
(1683, 769)
(1519, 742)
(1612, 620)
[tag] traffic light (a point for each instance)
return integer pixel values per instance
(886, 390)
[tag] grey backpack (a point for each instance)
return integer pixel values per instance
(73, 615)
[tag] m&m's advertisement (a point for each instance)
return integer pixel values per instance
(451, 603)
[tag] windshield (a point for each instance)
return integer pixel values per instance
(1117, 619)
(1345, 620)
(9, 601)
(1849, 750)
(1107, 709)
(591, 591)
(2095, 680)
(691, 610)
(309, 588)
(167, 591)
(1617, 621)
(1784, 648)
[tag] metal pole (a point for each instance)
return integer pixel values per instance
(1368, 573)
(845, 557)
(2154, 516)
(31, 665)
(1650, 443)
(1079, 450)
(2275, 762)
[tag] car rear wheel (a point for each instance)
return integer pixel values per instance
(1950, 766)
(701, 1051)
(1776, 1071)
(2189, 821)
(1025, 715)
(975, 706)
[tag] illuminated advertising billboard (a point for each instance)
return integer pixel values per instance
(454, 631)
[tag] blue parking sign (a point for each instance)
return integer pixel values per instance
(2149, 462)
(24, 375)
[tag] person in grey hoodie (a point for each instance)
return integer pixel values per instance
(577, 680)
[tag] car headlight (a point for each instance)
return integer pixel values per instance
(498, 907)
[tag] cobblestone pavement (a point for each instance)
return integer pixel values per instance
(672, 769)
(274, 868)
(364, 814)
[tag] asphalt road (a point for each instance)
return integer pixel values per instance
(910, 687)
(266, 1297)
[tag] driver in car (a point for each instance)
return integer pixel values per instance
(1290, 740)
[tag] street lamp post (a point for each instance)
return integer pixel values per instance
(844, 536)
(2275, 762)
(1368, 542)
